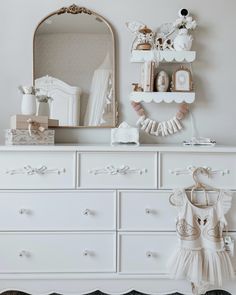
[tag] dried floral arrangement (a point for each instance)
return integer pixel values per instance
(43, 98)
(31, 90)
(28, 90)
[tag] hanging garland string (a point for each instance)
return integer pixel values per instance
(163, 128)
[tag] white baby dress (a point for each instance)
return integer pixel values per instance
(201, 256)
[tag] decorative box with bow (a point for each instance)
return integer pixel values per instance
(25, 122)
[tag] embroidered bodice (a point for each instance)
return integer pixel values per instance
(201, 227)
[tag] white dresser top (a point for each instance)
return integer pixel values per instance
(124, 148)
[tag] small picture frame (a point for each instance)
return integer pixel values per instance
(182, 80)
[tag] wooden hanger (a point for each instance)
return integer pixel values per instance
(198, 186)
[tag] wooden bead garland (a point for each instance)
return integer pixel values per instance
(163, 128)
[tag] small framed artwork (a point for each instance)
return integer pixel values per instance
(182, 80)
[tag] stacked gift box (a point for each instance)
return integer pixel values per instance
(31, 130)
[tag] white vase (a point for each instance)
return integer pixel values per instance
(183, 41)
(43, 109)
(28, 104)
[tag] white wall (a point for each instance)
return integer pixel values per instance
(214, 70)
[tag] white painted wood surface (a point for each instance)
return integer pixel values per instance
(216, 162)
(163, 56)
(145, 210)
(117, 170)
(61, 210)
(157, 97)
(123, 148)
(57, 252)
(93, 227)
(145, 253)
(41, 170)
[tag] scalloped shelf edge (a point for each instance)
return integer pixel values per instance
(163, 56)
(167, 97)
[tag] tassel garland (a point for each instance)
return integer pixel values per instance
(163, 128)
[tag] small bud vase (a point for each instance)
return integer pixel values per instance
(43, 109)
(183, 41)
(28, 104)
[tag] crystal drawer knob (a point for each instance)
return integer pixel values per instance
(24, 253)
(86, 212)
(24, 211)
(86, 253)
(148, 211)
(149, 254)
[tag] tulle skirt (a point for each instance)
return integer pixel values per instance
(201, 267)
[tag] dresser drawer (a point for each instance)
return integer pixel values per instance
(174, 167)
(57, 253)
(151, 210)
(83, 210)
(118, 170)
(149, 253)
(145, 253)
(37, 170)
(146, 210)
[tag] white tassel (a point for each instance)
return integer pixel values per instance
(173, 125)
(169, 127)
(153, 132)
(165, 128)
(162, 130)
(158, 130)
(145, 123)
(149, 126)
(177, 122)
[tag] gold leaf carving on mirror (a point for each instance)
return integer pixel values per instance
(74, 9)
(74, 63)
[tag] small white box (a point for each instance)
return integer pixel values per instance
(125, 134)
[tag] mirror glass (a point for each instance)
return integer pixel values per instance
(74, 55)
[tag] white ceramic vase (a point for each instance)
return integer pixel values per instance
(183, 41)
(28, 104)
(43, 109)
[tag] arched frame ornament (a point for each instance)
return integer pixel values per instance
(75, 10)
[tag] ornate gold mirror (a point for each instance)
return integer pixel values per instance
(74, 64)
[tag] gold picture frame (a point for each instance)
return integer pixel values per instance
(182, 80)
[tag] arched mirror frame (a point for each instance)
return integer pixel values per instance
(74, 10)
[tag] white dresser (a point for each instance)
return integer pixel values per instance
(75, 219)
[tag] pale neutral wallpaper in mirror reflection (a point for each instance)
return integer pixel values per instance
(76, 71)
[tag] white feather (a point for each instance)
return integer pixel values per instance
(134, 26)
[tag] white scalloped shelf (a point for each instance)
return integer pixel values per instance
(167, 97)
(163, 56)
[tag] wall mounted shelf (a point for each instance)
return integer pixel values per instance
(173, 56)
(168, 97)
